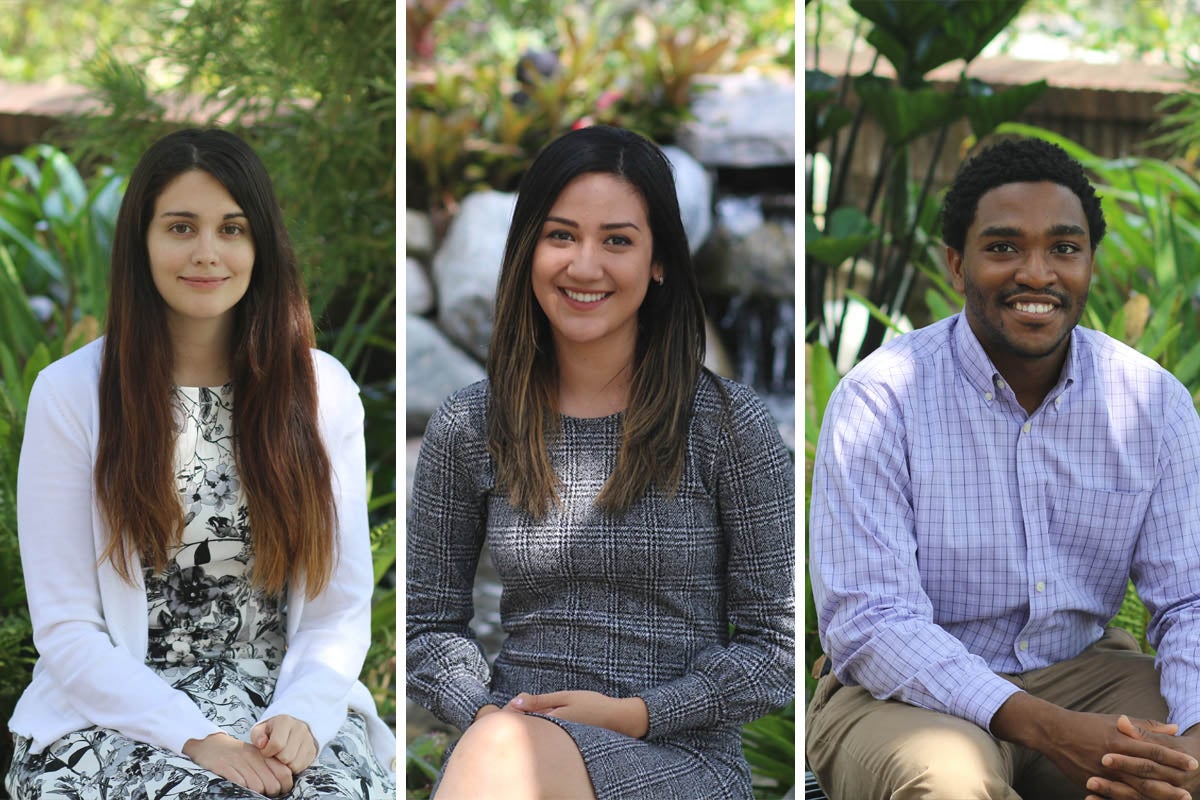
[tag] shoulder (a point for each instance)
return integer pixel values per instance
(1134, 376)
(69, 388)
(908, 355)
(462, 414)
(718, 395)
(725, 409)
(76, 373)
(331, 375)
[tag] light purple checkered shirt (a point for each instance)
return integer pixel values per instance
(954, 536)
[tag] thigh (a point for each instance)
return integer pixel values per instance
(346, 768)
(1111, 677)
(862, 749)
(102, 764)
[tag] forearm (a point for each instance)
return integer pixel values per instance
(1027, 720)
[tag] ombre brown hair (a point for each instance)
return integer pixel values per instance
(280, 458)
(523, 376)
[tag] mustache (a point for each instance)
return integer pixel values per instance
(1063, 299)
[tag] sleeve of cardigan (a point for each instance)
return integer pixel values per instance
(325, 654)
(735, 682)
(447, 672)
(105, 683)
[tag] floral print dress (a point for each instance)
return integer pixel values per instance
(212, 635)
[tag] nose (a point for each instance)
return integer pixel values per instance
(1036, 271)
(205, 250)
(587, 264)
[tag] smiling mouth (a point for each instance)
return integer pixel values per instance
(1035, 308)
(585, 297)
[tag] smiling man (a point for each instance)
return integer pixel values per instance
(983, 490)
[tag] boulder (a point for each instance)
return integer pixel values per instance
(467, 266)
(694, 189)
(418, 234)
(434, 369)
(743, 120)
(418, 290)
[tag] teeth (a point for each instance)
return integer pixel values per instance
(581, 297)
(1034, 308)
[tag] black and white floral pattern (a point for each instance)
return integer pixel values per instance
(214, 636)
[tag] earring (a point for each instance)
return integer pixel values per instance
(658, 279)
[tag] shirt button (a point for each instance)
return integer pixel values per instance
(1058, 401)
(1026, 427)
(1023, 644)
(1041, 586)
(999, 384)
(987, 396)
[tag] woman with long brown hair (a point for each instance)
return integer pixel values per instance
(639, 511)
(192, 517)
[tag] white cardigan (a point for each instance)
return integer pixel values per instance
(90, 626)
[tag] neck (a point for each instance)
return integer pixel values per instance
(594, 379)
(201, 350)
(1031, 379)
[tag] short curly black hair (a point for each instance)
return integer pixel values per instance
(1015, 161)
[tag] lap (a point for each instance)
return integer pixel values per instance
(862, 747)
(103, 763)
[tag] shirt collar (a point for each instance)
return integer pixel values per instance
(982, 374)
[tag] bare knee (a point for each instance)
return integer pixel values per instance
(508, 754)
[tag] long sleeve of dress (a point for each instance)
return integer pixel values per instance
(98, 679)
(752, 673)
(328, 641)
(446, 669)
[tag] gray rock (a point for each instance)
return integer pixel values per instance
(694, 188)
(418, 234)
(715, 357)
(744, 120)
(466, 267)
(762, 260)
(418, 290)
(434, 369)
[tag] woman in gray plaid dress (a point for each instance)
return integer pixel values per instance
(639, 511)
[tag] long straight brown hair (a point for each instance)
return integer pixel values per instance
(522, 373)
(280, 458)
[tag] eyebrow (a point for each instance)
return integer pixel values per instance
(1061, 229)
(194, 215)
(607, 226)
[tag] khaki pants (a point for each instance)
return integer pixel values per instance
(867, 749)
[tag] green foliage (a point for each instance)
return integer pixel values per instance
(42, 41)
(770, 746)
(471, 124)
(422, 764)
(888, 227)
(821, 377)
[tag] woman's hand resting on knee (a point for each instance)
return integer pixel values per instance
(627, 715)
(241, 763)
(287, 740)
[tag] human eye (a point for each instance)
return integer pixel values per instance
(619, 239)
(233, 229)
(180, 228)
(560, 235)
(1000, 247)
(1065, 248)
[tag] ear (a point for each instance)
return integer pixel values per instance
(954, 262)
(656, 272)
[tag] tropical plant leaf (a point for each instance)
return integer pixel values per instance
(987, 108)
(904, 114)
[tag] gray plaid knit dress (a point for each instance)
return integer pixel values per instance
(684, 601)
